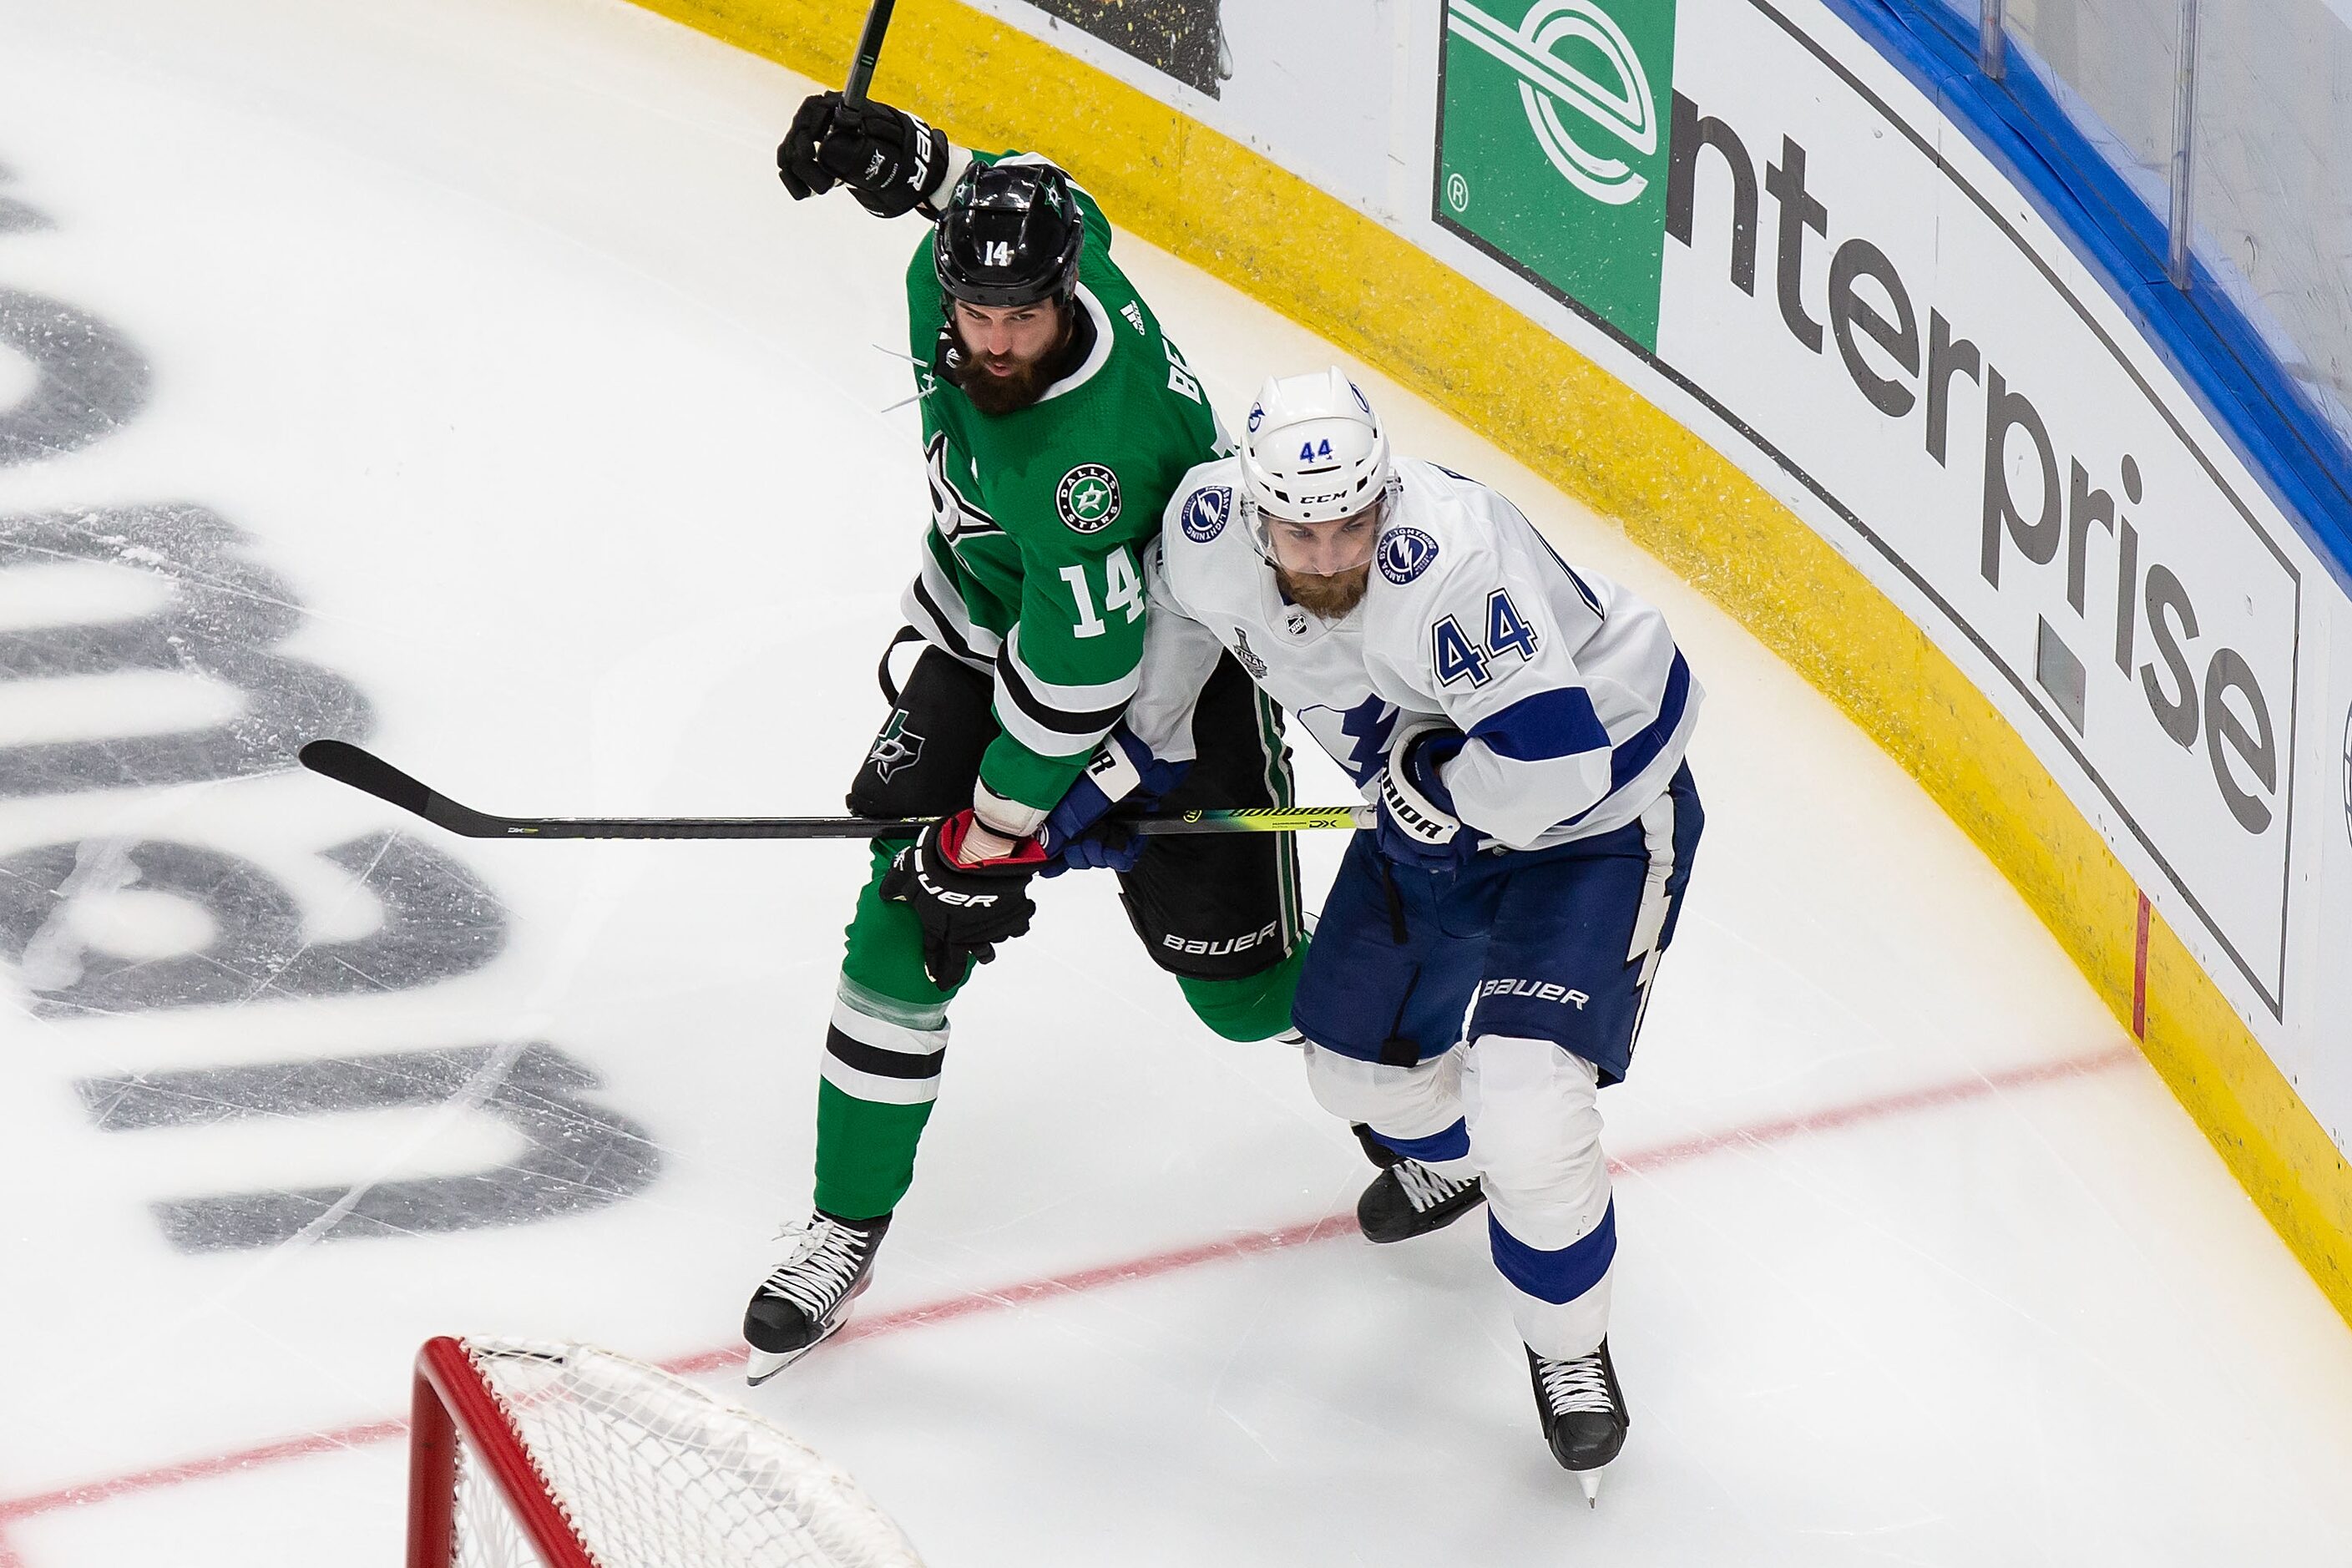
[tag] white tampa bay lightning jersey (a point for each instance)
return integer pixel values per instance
(1576, 702)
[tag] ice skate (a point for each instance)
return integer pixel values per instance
(1407, 1198)
(808, 1295)
(1583, 1413)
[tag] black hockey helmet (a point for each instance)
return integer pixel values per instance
(1009, 235)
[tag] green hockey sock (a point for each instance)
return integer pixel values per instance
(865, 1153)
(878, 1088)
(1254, 1007)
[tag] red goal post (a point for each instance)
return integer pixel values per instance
(528, 1455)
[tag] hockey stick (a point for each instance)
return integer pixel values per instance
(371, 774)
(869, 51)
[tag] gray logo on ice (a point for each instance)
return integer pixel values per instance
(108, 927)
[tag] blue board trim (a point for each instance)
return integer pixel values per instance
(2207, 341)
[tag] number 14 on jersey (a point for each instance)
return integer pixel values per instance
(1122, 590)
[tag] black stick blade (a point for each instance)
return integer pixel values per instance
(364, 771)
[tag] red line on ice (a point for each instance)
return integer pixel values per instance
(1151, 1266)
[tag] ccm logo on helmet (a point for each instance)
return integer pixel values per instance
(1540, 990)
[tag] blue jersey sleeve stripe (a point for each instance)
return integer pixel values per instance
(1629, 760)
(1555, 723)
(1626, 763)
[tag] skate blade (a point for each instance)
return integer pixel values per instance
(1591, 1482)
(759, 1366)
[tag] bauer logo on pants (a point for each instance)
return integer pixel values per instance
(1537, 990)
(1088, 498)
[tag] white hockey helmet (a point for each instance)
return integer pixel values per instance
(1313, 450)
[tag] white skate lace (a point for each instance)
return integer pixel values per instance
(822, 1266)
(1424, 1188)
(1578, 1385)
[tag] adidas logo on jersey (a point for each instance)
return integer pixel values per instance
(1134, 314)
(1540, 990)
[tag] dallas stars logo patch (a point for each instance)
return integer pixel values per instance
(896, 747)
(1088, 498)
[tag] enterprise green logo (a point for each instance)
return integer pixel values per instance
(1552, 152)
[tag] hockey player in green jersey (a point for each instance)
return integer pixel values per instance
(1056, 422)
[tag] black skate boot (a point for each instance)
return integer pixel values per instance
(1583, 1413)
(808, 1296)
(1407, 1198)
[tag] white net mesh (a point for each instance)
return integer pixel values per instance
(655, 1473)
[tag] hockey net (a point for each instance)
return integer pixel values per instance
(524, 1455)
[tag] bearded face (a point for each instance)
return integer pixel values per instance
(1325, 567)
(1328, 598)
(1009, 354)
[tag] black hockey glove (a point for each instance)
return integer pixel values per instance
(889, 160)
(965, 907)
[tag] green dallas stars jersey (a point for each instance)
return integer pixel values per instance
(1040, 518)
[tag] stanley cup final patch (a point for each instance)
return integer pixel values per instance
(1088, 498)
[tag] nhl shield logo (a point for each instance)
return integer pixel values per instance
(1088, 498)
(1405, 553)
(1205, 511)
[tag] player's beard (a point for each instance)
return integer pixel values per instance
(1327, 598)
(1021, 383)
(1016, 388)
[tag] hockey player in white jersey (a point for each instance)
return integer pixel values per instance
(1521, 727)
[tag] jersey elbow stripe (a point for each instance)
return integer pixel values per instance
(951, 629)
(1047, 730)
(1559, 723)
(1110, 694)
(1633, 756)
(1055, 721)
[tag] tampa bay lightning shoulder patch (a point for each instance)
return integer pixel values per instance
(1405, 553)
(1205, 511)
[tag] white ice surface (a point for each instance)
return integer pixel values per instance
(486, 321)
